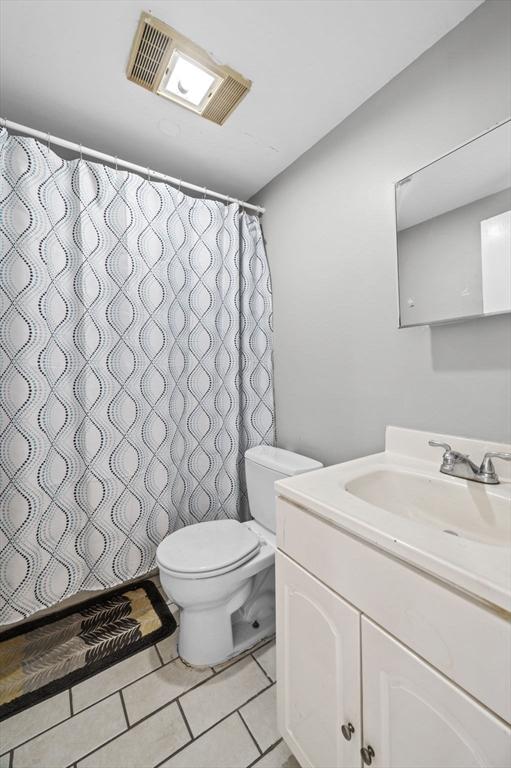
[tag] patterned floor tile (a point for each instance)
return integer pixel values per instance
(222, 694)
(227, 745)
(145, 745)
(260, 715)
(112, 679)
(32, 721)
(74, 738)
(266, 657)
(160, 687)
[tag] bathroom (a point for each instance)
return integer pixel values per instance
(256, 383)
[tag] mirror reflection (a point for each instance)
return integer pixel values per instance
(454, 233)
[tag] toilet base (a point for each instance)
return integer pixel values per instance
(246, 636)
(210, 637)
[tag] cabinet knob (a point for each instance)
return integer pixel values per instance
(367, 754)
(347, 730)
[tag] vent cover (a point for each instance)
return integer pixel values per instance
(150, 56)
(227, 98)
(149, 61)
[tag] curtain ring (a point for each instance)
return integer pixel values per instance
(204, 193)
(81, 153)
(179, 186)
(48, 139)
(115, 160)
(148, 174)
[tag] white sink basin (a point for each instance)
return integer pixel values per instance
(458, 508)
(458, 530)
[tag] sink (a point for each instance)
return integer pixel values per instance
(398, 501)
(468, 510)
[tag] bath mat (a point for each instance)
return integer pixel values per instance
(47, 655)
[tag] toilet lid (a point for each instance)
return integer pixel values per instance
(207, 548)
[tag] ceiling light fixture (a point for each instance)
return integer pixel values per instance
(188, 82)
(167, 63)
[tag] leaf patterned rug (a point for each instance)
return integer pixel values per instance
(40, 658)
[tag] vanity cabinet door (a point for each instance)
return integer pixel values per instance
(318, 670)
(415, 718)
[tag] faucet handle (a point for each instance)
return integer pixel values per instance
(497, 455)
(487, 467)
(450, 456)
(445, 446)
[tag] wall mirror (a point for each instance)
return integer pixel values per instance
(453, 221)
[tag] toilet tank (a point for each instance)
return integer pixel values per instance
(265, 465)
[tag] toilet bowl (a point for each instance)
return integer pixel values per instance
(221, 573)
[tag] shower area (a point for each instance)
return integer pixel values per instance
(136, 369)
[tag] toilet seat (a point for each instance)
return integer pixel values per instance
(207, 549)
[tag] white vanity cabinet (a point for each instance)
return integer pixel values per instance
(319, 670)
(415, 718)
(346, 664)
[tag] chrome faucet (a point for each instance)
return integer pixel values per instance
(459, 465)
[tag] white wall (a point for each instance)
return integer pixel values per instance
(342, 368)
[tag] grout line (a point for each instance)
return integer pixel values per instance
(64, 720)
(232, 712)
(171, 701)
(124, 709)
(74, 764)
(159, 654)
(97, 701)
(250, 733)
(158, 709)
(210, 728)
(199, 735)
(117, 735)
(267, 752)
(184, 718)
(132, 682)
(263, 670)
(131, 728)
(150, 714)
(56, 725)
(244, 654)
(173, 754)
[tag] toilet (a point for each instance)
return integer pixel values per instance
(221, 573)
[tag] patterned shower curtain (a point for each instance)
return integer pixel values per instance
(136, 370)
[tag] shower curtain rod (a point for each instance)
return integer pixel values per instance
(125, 164)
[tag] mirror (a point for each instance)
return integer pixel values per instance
(453, 222)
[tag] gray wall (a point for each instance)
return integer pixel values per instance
(440, 262)
(342, 368)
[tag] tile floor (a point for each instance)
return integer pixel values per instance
(152, 710)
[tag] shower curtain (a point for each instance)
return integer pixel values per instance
(136, 369)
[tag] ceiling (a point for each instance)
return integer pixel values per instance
(312, 63)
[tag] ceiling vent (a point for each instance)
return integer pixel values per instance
(170, 65)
